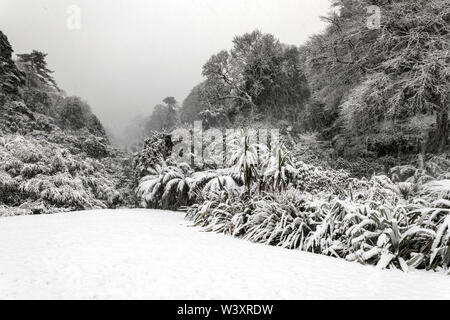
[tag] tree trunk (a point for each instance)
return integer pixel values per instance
(440, 139)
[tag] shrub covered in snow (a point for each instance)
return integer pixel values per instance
(251, 165)
(166, 187)
(267, 197)
(375, 225)
(435, 168)
(315, 179)
(37, 176)
(402, 225)
(177, 186)
(157, 147)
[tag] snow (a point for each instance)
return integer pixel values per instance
(151, 254)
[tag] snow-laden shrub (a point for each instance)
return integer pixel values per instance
(438, 188)
(203, 182)
(251, 165)
(436, 168)
(174, 187)
(359, 167)
(315, 179)
(310, 149)
(157, 148)
(165, 187)
(374, 224)
(246, 158)
(269, 198)
(48, 178)
(280, 169)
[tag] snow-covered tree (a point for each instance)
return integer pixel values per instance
(10, 76)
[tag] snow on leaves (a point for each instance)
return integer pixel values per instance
(37, 176)
(402, 225)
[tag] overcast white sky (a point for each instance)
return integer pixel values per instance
(131, 54)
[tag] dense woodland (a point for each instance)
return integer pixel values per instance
(378, 95)
(361, 170)
(54, 152)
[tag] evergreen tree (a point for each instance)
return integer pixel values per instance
(10, 77)
(35, 67)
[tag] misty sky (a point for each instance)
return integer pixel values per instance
(131, 54)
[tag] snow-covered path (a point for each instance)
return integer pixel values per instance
(153, 254)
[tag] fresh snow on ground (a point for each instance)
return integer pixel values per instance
(153, 254)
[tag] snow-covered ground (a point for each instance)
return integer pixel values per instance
(153, 254)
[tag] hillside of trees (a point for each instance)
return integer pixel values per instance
(54, 152)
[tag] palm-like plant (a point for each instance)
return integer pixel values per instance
(220, 211)
(280, 169)
(379, 226)
(212, 180)
(441, 244)
(165, 187)
(245, 158)
(389, 224)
